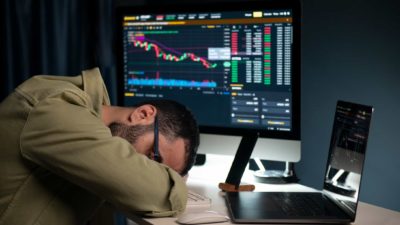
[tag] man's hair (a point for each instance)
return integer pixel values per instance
(176, 121)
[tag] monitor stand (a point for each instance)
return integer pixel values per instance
(239, 164)
(275, 176)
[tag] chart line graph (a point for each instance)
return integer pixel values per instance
(184, 58)
(177, 57)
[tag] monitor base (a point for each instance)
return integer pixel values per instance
(274, 177)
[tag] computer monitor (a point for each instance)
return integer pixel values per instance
(235, 65)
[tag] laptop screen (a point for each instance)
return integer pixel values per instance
(347, 154)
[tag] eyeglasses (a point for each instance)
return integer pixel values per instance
(156, 155)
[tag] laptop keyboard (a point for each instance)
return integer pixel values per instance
(300, 204)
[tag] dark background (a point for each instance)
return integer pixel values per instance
(349, 52)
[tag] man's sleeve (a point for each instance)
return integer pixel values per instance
(70, 140)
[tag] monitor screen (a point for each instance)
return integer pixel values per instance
(235, 65)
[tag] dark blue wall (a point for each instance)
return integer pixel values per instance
(350, 51)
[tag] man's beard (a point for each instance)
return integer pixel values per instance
(130, 133)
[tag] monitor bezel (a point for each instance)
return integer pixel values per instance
(186, 7)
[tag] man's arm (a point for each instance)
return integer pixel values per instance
(70, 140)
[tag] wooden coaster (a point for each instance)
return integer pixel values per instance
(232, 188)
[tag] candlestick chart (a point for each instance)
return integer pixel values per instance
(171, 59)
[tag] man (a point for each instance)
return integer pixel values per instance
(62, 154)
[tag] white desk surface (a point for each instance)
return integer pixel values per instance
(205, 179)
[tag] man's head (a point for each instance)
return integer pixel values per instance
(178, 135)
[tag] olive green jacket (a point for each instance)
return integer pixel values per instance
(59, 162)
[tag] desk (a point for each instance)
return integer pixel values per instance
(204, 180)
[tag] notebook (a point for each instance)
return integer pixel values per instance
(337, 202)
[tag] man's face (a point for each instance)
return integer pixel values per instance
(172, 152)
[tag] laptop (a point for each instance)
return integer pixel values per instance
(337, 202)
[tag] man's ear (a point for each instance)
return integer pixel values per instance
(143, 115)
